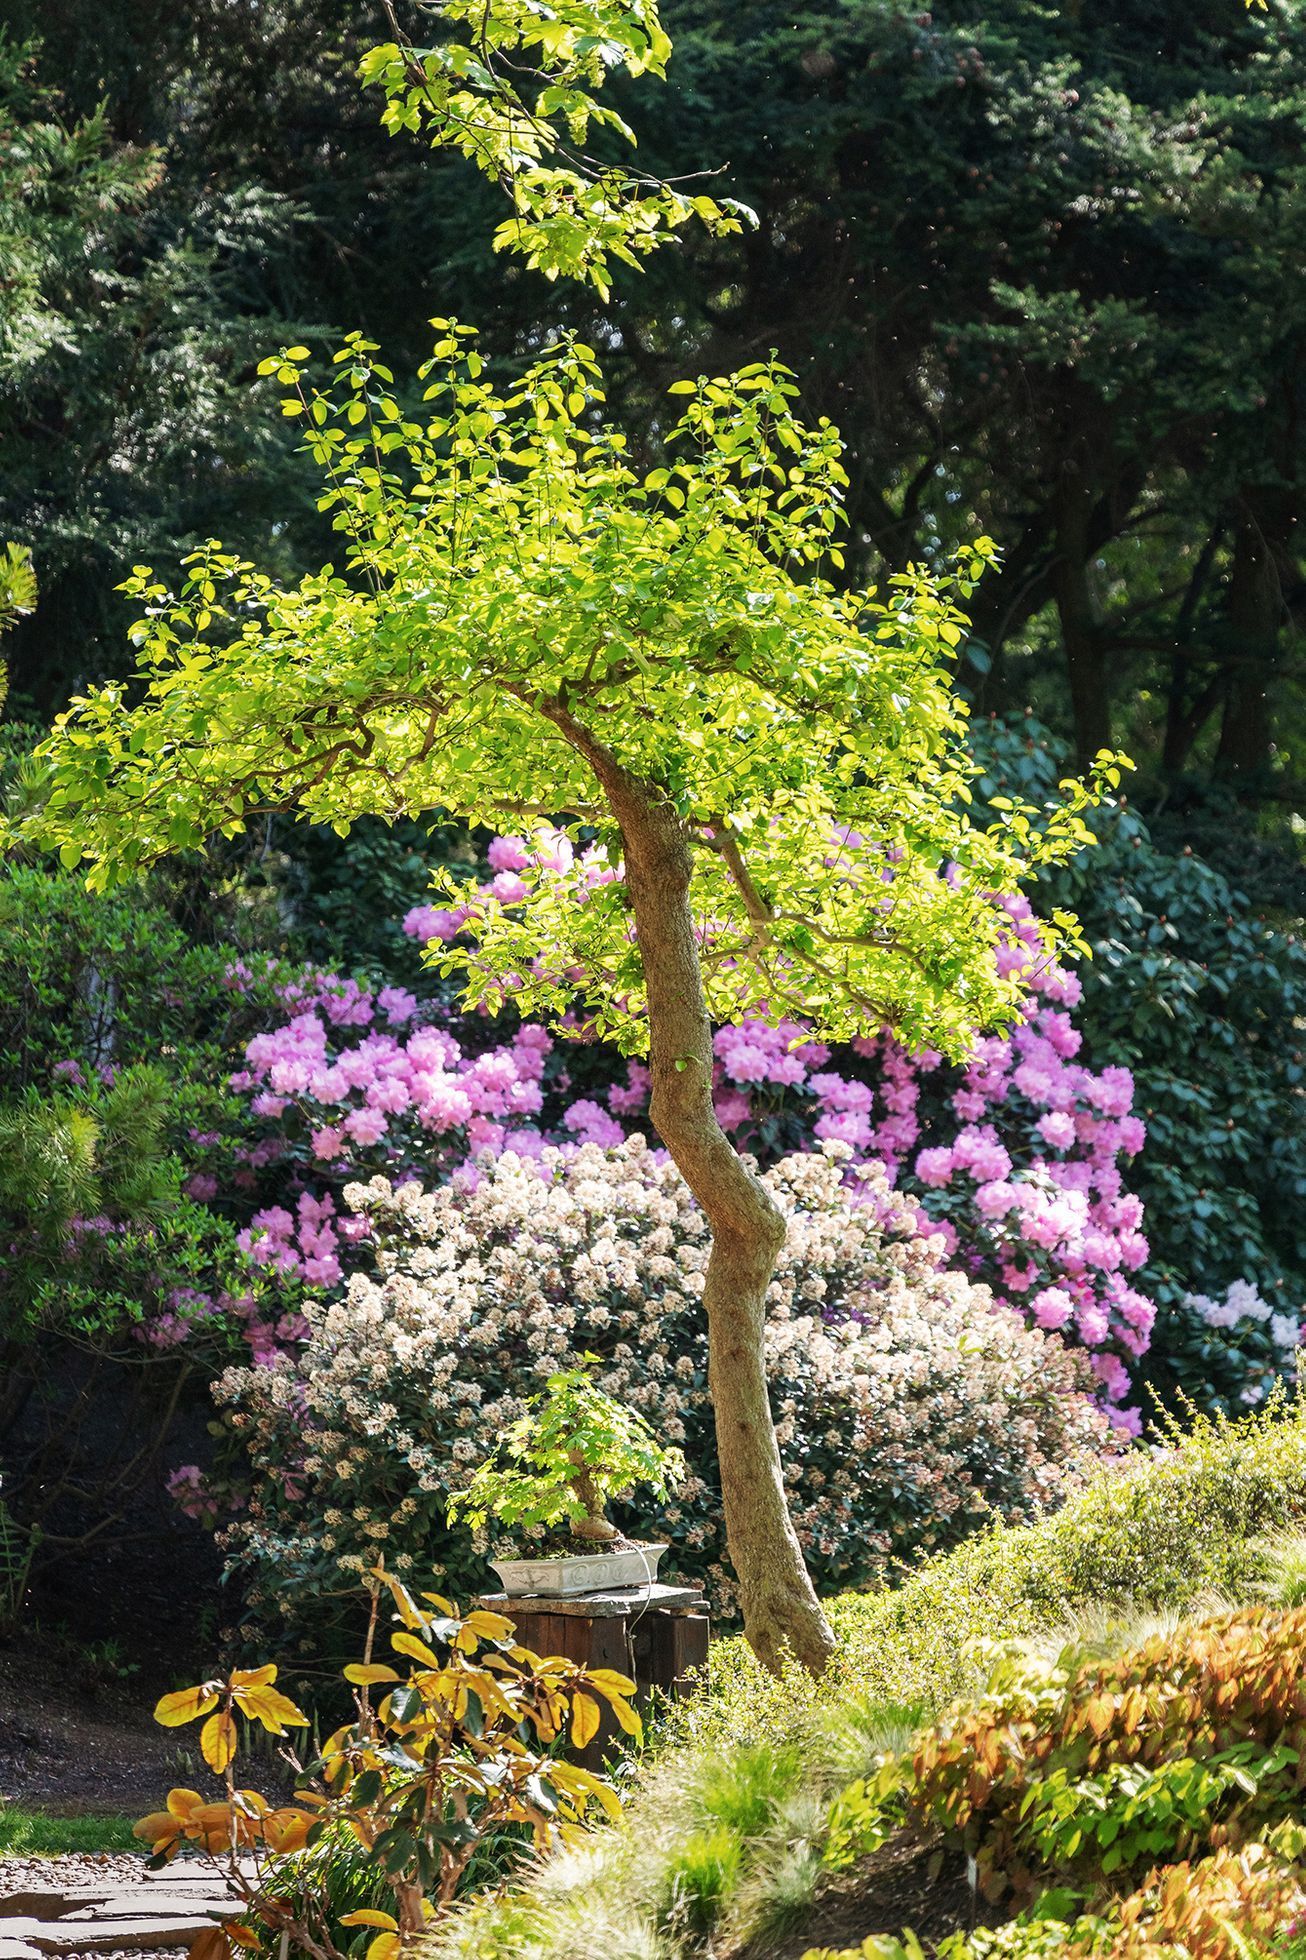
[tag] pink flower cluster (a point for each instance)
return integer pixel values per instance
(306, 1241)
(187, 1488)
(268, 1332)
(366, 1084)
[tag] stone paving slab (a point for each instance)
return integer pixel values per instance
(137, 1905)
(111, 1935)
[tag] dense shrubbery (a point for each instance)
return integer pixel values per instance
(1086, 1770)
(1018, 1158)
(120, 1288)
(1015, 1160)
(1203, 1515)
(1203, 1000)
(909, 1410)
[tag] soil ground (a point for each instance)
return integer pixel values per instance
(73, 1752)
(907, 1884)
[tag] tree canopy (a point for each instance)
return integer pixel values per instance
(521, 613)
(1036, 264)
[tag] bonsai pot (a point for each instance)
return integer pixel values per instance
(573, 1574)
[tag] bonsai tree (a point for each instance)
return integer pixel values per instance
(526, 623)
(561, 1466)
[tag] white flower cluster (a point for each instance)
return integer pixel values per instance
(1268, 1338)
(908, 1406)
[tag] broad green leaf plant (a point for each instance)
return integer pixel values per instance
(513, 86)
(560, 1466)
(525, 624)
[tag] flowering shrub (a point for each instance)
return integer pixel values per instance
(1201, 995)
(908, 1407)
(1014, 1159)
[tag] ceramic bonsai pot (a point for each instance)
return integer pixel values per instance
(577, 1573)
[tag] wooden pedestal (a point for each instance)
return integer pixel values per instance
(655, 1634)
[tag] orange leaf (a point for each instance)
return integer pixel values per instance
(185, 1705)
(159, 1824)
(403, 1599)
(1100, 1714)
(218, 1742)
(210, 1945)
(489, 1626)
(243, 1935)
(608, 1681)
(213, 1817)
(415, 1649)
(287, 1830)
(367, 1917)
(254, 1677)
(274, 1710)
(184, 1803)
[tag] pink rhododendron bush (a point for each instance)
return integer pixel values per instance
(910, 1407)
(1015, 1159)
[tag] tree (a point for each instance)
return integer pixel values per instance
(1033, 261)
(526, 624)
(518, 97)
(126, 334)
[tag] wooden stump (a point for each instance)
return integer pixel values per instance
(655, 1634)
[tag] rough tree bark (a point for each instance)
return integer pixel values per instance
(779, 1604)
(1255, 612)
(1086, 669)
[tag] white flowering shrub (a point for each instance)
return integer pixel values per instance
(910, 1407)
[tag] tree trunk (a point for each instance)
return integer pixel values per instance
(780, 1609)
(1086, 671)
(1255, 611)
(780, 1606)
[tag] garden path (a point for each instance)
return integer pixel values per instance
(111, 1907)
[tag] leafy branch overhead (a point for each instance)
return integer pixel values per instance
(514, 90)
(525, 621)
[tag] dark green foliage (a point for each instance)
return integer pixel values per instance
(1031, 261)
(127, 341)
(98, 1153)
(106, 984)
(116, 1036)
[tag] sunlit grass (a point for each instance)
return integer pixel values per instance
(36, 1834)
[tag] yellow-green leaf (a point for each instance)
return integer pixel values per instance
(218, 1742)
(185, 1705)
